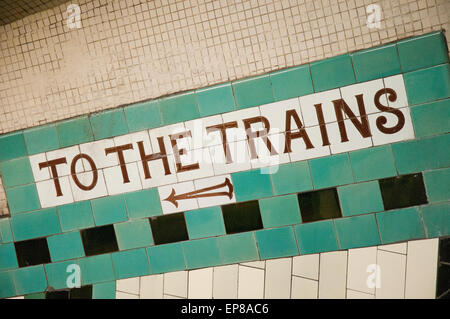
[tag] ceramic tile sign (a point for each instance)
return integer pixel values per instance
(191, 162)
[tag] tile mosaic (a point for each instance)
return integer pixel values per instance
(436, 219)
(104, 290)
(132, 154)
(166, 258)
(331, 73)
(41, 139)
(54, 192)
(252, 184)
(299, 146)
(373, 163)
(74, 131)
(143, 203)
(280, 211)
(357, 231)
(22, 199)
(89, 179)
(99, 240)
(393, 122)
(239, 158)
(316, 237)
(431, 118)
(393, 273)
(151, 287)
(276, 242)
(310, 112)
(291, 178)
(277, 282)
(122, 179)
(303, 288)
(351, 140)
(265, 156)
(168, 228)
(96, 151)
(75, 216)
(176, 284)
(242, 217)
(205, 222)
(29, 280)
(153, 172)
(32, 252)
(65, 246)
(275, 113)
(361, 198)
(306, 266)
(403, 191)
(12, 145)
(130, 263)
(319, 205)
(16, 172)
(225, 282)
(367, 90)
(238, 248)
(109, 210)
(96, 269)
(133, 234)
(235, 129)
(179, 108)
(200, 284)
(8, 259)
(250, 283)
(143, 115)
(292, 82)
(108, 123)
(332, 275)
(359, 269)
(410, 220)
(35, 224)
(201, 253)
(187, 162)
(253, 91)
(205, 131)
(161, 141)
(331, 171)
(215, 99)
(171, 202)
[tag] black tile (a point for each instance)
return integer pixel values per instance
(169, 228)
(57, 294)
(99, 240)
(32, 252)
(241, 217)
(403, 191)
(443, 280)
(84, 292)
(319, 205)
(444, 250)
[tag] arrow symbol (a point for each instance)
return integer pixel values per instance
(173, 198)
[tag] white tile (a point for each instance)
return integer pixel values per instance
(333, 275)
(359, 260)
(200, 158)
(325, 98)
(306, 266)
(115, 180)
(355, 140)
(133, 155)
(129, 285)
(299, 150)
(264, 156)
(368, 91)
(165, 132)
(396, 248)
(239, 158)
(180, 205)
(215, 200)
(303, 288)
(276, 114)
(96, 150)
(250, 283)
(151, 287)
(352, 294)
(68, 153)
(225, 282)
(200, 283)
(39, 174)
(405, 133)
(48, 195)
(261, 264)
(278, 278)
(398, 85)
(157, 172)
(172, 297)
(17, 297)
(239, 134)
(200, 137)
(86, 179)
(124, 295)
(421, 269)
(392, 268)
(175, 283)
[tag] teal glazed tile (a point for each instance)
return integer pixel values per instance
(431, 118)
(400, 225)
(104, 290)
(238, 248)
(16, 172)
(166, 258)
(75, 216)
(427, 85)
(96, 269)
(357, 231)
(215, 99)
(332, 73)
(373, 163)
(41, 139)
(133, 234)
(109, 124)
(12, 145)
(436, 218)
(276, 243)
(204, 222)
(437, 184)
(201, 253)
(143, 116)
(130, 263)
(6, 284)
(291, 178)
(375, 63)
(250, 185)
(38, 295)
(143, 203)
(5, 230)
(29, 280)
(253, 91)
(58, 273)
(422, 51)
(331, 171)
(35, 224)
(280, 211)
(22, 199)
(361, 198)
(74, 131)
(428, 153)
(65, 246)
(316, 237)
(8, 259)
(179, 108)
(109, 210)
(291, 82)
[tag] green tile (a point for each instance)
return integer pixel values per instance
(65, 246)
(35, 224)
(215, 99)
(96, 269)
(375, 63)
(76, 216)
(331, 171)
(280, 211)
(428, 153)
(253, 91)
(59, 273)
(373, 163)
(12, 145)
(74, 131)
(104, 290)
(109, 124)
(41, 139)
(22, 199)
(361, 198)
(422, 51)
(6, 284)
(431, 118)
(179, 108)
(250, 185)
(38, 295)
(204, 222)
(133, 234)
(30, 280)
(332, 73)
(400, 225)
(238, 248)
(316, 237)
(292, 178)
(166, 258)
(291, 82)
(437, 184)
(5, 230)
(109, 210)
(143, 203)
(201, 253)
(130, 263)
(143, 116)
(357, 231)
(436, 218)
(427, 85)
(16, 172)
(8, 259)
(276, 242)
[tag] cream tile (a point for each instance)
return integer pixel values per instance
(392, 267)
(68, 153)
(215, 200)
(278, 278)
(133, 155)
(352, 294)
(398, 85)
(48, 195)
(250, 283)
(164, 132)
(333, 275)
(276, 114)
(151, 287)
(175, 283)
(200, 158)
(180, 205)
(299, 150)
(225, 282)
(172, 297)
(396, 248)
(261, 264)
(358, 272)
(157, 172)
(129, 285)
(306, 266)
(325, 98)
(239, 158)
(264, 156)
(96, 150)
(201, 283)
(368, 91)
(404, 133)
(303, 288)
(115, 180)
(239, 134)
(39, 174)
(200, 137)
(124, 295)
(86, 179)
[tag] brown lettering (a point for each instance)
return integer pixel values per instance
(382, 120)
(261, 133)
(301, 133)
(145, 158)
(222, 129)
(322, 126)
(177, 152)
(93, 169)
(119, 150)
(52, 164)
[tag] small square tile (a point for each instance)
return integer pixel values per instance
(436, 219)
(22, 199)
(431, 118)
(437, 184)
(252, 184)
(8, 259)
(29, 280)
(143, 203)
(373, 163)
(96, 269)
